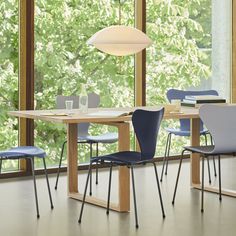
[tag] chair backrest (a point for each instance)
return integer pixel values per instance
(180, 94)
(221, 122)
(93, 102)
(146, 127)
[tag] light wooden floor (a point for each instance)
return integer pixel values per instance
(18, 216)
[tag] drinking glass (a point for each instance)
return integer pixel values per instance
(69, 105)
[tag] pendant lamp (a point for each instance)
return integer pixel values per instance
(120, 40)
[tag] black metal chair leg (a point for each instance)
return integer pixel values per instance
(168, 154)
(85, 191)
(164, 161)
(49, 191)
(208, 163)
(109, 190)
(134, 196)
(177, 179)
(59, 167)
(35, 188)
(0, 166)
(97, 164)
(91, 153)
(214, 163)
(159, 190)
(202, 192)
(209, 171)
(220, 198)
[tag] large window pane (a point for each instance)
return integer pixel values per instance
(191, 50)
(8, 77)
(63, 62)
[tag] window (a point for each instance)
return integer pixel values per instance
(63, 62)
(8, 77)
(191, 50)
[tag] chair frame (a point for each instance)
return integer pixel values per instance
(131, 166)
(34, 178)
(181, 95)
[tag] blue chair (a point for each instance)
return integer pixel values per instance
(28, 152)
(83, 131)
(184, 130)
(146, 127)
(220, 121)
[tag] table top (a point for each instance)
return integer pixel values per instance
(99, 114)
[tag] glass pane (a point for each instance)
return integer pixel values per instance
(63, 62)
(190, 51)
(8, 77)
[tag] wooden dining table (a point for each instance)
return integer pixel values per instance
(106, 116)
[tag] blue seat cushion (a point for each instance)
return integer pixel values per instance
(126, 157)
(22, 152)
(185, 133)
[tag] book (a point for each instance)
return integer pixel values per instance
(110, 113)
(197, 105)
(203, 98)
(201, 101)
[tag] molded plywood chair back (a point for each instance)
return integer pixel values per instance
(221, 122)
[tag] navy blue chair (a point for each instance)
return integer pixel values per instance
(83, 131)
(146, 127)
(184, 129)
(28, 152)
(220, 121)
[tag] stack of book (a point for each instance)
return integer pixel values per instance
(195, 101)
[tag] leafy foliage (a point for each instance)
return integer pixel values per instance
(63, 60)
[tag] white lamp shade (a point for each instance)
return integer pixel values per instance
(120, 40)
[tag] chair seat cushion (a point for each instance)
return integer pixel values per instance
(103, 138)
(126, 157)
(22, 152)
(200, 149)
(185, 133)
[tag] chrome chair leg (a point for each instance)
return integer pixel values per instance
(177, 179)
(35, 188)
(164, 160)
(85, 191)
(59, 167)
(134, 196)
(46, 175)
(109, 190)
(220, 198)
(159, 190)
(202, 192)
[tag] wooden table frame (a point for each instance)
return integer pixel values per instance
(123, 125)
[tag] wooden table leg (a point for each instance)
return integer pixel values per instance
(72, 158)
(195, 158)
(124, 173)
(123, 204)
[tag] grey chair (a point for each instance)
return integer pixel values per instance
(221, 123)
(83, 130)
(184, 129)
